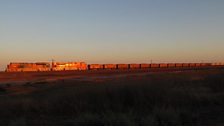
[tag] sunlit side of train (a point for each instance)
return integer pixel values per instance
(76, 66)
(46, 66)
(154, 65)
(59, 66)
(21, 67)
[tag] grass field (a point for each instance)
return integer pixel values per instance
(179, 98)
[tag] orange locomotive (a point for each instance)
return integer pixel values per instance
(59, 66)
(20, 67)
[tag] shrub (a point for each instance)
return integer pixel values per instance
(2, 90)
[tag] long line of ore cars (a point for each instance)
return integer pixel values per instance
(62, 66)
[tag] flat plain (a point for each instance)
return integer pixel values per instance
(156, 97)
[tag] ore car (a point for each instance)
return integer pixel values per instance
(154, 65)
(134, 66)
(122, 66)
(192, 64)
(163, 65)
(178, 65)
(197, 64)
(171, 65)
(109, 66)
(95, 66)
(142, 66)
(186, 64)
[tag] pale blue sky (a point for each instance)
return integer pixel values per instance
(111, 31)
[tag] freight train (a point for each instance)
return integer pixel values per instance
(66, 66)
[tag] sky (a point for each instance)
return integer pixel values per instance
(111, 31)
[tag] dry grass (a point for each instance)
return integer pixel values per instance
(191, 98)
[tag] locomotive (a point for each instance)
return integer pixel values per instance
(66, 66)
